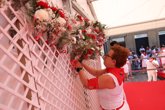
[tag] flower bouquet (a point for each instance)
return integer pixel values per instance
(50, 23)
(83, 37)
(89, 40)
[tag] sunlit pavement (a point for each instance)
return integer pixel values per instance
(139, 77)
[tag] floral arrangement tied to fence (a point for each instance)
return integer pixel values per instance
(82, 37)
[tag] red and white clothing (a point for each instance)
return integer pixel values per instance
(113, 99)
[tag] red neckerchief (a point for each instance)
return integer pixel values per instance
(118, 72)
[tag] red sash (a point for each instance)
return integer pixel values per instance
(118, 72)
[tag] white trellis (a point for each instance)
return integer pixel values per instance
(32, 75)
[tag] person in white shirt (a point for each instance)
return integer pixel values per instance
(152, 65)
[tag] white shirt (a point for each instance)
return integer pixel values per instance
(152, 65)
(111, 98)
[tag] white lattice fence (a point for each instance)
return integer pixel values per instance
(57, 87)
(17, 90)
(32, 75)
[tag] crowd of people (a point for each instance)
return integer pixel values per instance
(140, 62)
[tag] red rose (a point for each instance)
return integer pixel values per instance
(85, 56)
(54, 8)
(80, 18)
(47, 42)
(84, 31)
(61, 13)
(97, 30)
(73, 62)
(42, 4)
(90, 51)
(86, 19)
(91, 36)
(37, 37)
(69, 27)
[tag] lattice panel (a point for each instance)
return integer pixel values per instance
(57, 86)
(34, 76)
(91, 95)
(17, 90)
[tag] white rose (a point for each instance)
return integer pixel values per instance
(42, 14)
(62, 29)
(73, 40)
(89, 30)
(50, 12)
(80, 32)
(61, 21)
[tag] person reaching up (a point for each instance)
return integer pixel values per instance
(109, 81)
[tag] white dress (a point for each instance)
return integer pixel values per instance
(126, 67)
(144, 59)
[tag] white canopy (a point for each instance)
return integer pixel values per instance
(123, 12)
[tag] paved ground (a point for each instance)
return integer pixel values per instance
(139, 77)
